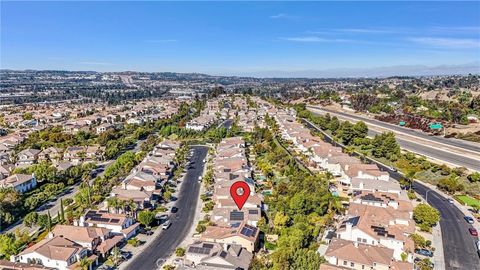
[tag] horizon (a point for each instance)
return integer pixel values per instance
(262, 40)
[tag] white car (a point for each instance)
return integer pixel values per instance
(166, 224)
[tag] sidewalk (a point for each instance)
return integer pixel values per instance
(462, 208)
(147, 239)
(438, 255)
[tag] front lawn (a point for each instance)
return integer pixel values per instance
(465, 199)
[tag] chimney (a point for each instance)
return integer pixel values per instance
(348, 226)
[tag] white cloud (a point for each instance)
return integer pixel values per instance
(457, 29)
(283, 16)
(366, 30)
(315, 39)
(454, 43)
(161, 40)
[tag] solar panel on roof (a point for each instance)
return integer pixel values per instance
(236, 215)
(99, 219)
(248, 231)
(207, 245)
(235, 225)
(199, 250)
(114, 220)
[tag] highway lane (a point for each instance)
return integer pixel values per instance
(167, 241)
(458, 245)
(437, 153)
(449, 141)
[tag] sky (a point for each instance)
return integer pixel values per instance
(239, 38)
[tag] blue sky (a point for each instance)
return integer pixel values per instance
(237, 37)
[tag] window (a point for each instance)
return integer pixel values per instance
(363, 266)
(359, 239)
(352, 264)
(344, 262)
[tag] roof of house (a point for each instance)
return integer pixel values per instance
(56, 248)
(15, 180)
(242, 230)
(80, 234)
(29, 152)
(8, 265)
(359, 253)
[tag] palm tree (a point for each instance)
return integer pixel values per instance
(84, 264)
(112, 202)
(115, 256)
(131, 206)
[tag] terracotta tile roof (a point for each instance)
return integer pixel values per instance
(8, 265)
(56, 248)
(80, 234)
(359, 253)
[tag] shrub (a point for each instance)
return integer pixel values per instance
(180, 252)
(133, 242)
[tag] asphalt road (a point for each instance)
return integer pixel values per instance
(449, 141)
(166, 242)
(226, 124)
(420, 148)
(458, 245)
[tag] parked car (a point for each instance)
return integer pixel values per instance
(450, 201)
(126, 255)
(145, 231)
(468, 219)
(174, 210)
(424, 252)
(473, 231)
(166, 224)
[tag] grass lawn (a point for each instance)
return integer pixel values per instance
(468, 200)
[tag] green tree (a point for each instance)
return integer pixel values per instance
(146, 217)
(180, 252)
(115, 256)
(62, 211)
(474, 177)
(30, 219)
(385, 145)
(280, 220)
(426, 216)
(84, 264)
(360, 130)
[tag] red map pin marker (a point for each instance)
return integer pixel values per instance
(240, 191)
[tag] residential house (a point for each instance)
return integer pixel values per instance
(56, 252)
(209, 255)
(352, 255)
(27, 157)
(118, 223)
(242, 234)
(97, 240)
(20, 182)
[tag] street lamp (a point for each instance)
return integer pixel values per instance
(426, 195)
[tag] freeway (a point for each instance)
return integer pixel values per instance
(458, 245)
(167, 241)
(450, 151)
